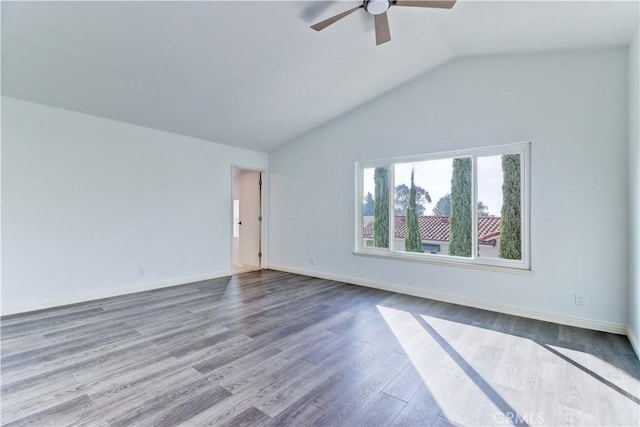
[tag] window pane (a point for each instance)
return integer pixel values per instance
(499, 210)
(435, 217)
(375, 209)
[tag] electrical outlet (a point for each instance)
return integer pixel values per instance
(312, 261)
(141, 272)
(579, 299)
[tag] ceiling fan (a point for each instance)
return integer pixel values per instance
(378, 8)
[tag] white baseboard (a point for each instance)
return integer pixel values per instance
(57, 302)
(633, 339)
(516, 311)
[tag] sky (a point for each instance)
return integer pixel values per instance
(435, 177)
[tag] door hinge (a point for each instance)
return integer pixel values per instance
(259, 254)
(260, 218)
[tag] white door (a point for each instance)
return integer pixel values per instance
(249, 207)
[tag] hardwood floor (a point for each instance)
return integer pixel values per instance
(277, 349)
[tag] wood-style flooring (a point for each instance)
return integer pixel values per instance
(276, 349)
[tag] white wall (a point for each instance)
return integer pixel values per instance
(88, 202)
(634, 195)
(573, 108)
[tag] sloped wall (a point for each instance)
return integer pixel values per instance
(572, 106)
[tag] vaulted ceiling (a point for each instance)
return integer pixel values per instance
(253, 74)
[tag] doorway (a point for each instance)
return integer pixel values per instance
(247, 220)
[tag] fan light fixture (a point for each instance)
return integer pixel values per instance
(377, 7)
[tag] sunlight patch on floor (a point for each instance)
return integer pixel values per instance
(443, 372)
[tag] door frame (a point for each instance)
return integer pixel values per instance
(263, 211)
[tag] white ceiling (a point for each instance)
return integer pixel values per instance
(253, 74)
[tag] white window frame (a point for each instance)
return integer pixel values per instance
(523, 265)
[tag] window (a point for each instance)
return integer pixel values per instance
(465, 207)
(430, 248)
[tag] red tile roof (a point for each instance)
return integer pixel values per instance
(437, 228)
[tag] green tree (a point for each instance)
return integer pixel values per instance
(413, 241)
(369, 204)
(460, 221)
(483, 210)
(381, 208)
(401, 201)
(510, 239)
(443, 206)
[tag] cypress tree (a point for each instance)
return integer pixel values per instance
(381, 208)
(413, 241)
(510, 221)
(460, 239)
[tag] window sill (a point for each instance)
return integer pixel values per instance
(448, 263)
